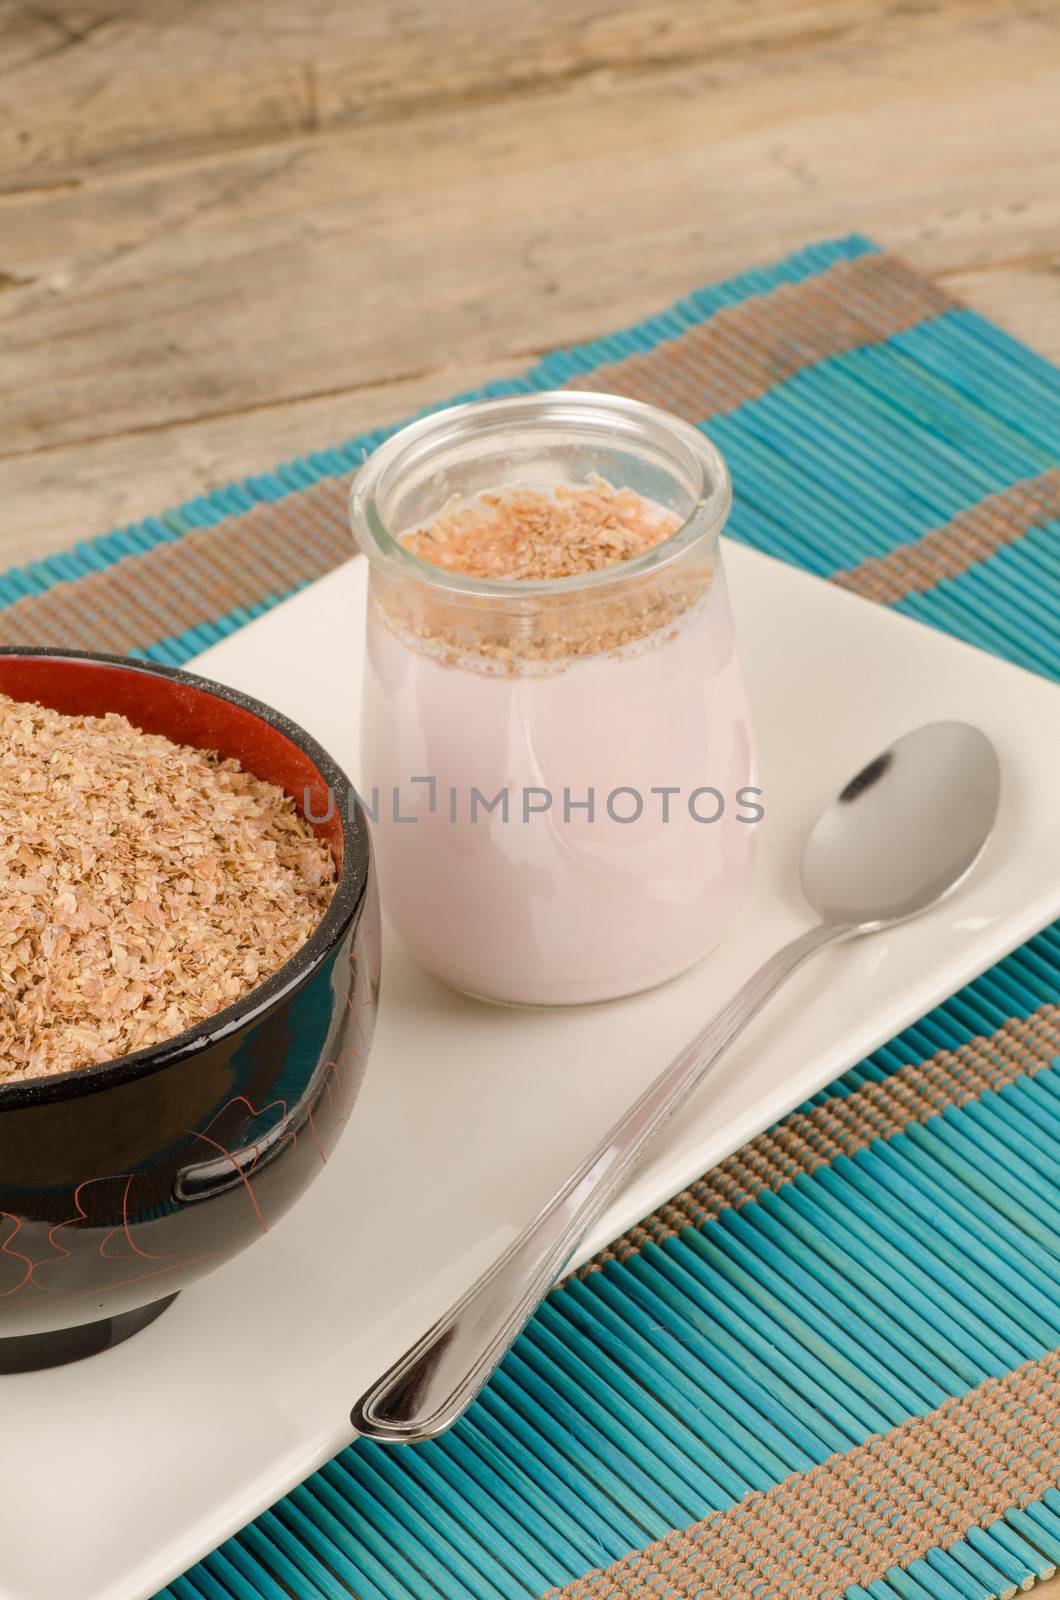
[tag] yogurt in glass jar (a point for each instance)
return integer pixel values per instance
(555, 738)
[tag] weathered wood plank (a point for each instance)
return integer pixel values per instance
(1025, 299)
(85, 83)
(261, 278)
(164, 330)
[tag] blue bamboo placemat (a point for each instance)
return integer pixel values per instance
(831, 1366)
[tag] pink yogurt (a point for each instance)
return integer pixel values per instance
(496, 707)
(561, 908)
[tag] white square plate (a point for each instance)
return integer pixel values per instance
(119, 1473)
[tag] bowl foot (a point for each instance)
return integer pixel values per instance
(31, 1352)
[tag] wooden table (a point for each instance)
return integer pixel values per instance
(231, 232)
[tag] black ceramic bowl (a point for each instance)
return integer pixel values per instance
(122, 1183)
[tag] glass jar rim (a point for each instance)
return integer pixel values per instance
(617, 413)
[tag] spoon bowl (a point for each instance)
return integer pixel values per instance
(905, 830)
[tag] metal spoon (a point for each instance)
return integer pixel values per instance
(900, 836)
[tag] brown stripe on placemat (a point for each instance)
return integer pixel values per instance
(886, 1503)
(971, 536)
(738, 354)
(843, 1124)
(269, 550)
(742, 351)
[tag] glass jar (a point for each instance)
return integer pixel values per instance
(560, 770)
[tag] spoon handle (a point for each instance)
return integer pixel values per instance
(425, 1391)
